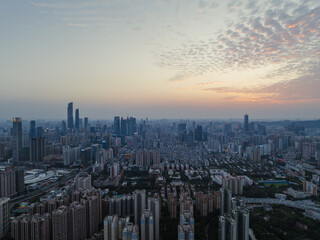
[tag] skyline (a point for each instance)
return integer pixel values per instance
(160, 59)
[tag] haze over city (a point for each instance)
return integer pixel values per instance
(159, 119)
(160, 59)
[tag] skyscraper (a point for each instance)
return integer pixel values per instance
(32, 132)
(147, 225)
(222, 228)
(19, 175)
(116, 125)
(198, 133)
(246, 123)
(225, 201)
(185, 232)
(86, 123)
(70, 115)
(186, 226)
(37, 143)
(124, 126)
(63, 127)
(77, 119)
(60, 224)
(132, 126)
(17, 140)
(227, 229)
(139, 204)
(7, 183)
(130, 232)
(79, 220)
(4, 216)
(154, 207)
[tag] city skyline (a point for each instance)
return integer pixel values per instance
(160, 59)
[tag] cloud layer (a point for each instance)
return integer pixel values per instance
(282, 34)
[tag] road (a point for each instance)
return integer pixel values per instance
(300, 204)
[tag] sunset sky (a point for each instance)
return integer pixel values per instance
(160, 58)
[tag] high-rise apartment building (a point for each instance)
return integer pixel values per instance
(19, 179)
(130, 232)
(235, 184)
(234, 221)
(243, 224)
(4, 216)
(61, 227)
(227, 229)
(147, 225)
(17, 140)
(172, 206)
(40, 227)
(74, 214)
(225, 201)
(154, 207)
(185, 232)
(111, 228)
(147, 158)
(186, 226)
(92, 200)
(83, 181)
(204, 203)
(116, 228)
(120, 205)
(78, 213)
(186, 203)
(7, 183)
(139, 204)
(217, 199)
(37, 144)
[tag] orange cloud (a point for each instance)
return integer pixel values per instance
(295, 24)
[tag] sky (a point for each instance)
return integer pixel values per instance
(160, 58)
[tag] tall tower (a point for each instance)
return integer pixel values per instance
(17, 139)
(77, 119)
(246, 123)
(70, 115)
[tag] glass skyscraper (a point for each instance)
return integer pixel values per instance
(70, 115)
